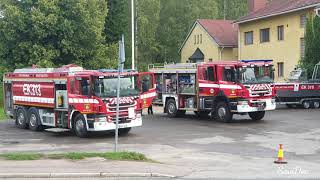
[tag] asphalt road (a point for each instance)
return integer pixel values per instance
(201, 146)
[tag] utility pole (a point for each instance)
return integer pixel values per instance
(136, 30)
(120, 70)
(132, 36)
(224, 9)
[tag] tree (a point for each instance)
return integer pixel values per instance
(232, 9)
(312, 44)
(148, 21)
(176, 19)
(117, 20)
(53, 33)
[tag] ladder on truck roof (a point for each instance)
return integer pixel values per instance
(67, 68)
(173, 68)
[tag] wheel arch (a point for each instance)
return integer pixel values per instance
(167, 98)
(220, 97)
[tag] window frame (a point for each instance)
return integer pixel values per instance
(245, 38)
(262, 39)
(303, 20)
(280, 30)
(280, 70)
(302, 47)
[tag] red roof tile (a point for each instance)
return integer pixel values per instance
(222, 31)
(277, 7)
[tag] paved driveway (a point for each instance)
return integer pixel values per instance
(201, 147)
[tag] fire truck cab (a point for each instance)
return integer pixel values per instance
(71, 98)
(219, 88)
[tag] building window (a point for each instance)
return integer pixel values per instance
(200, 38)
(280, 33)
(195, 39)
(303, 20)
(302, 47)
(280, 69)
(264, 35)
(248, 38)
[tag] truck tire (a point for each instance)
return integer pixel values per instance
(124, 131)
(172, 109)
(306, 104)
(79, 126)
(257, 116)
(21, 118)
(316, 104)
(222, 112)
(34, 119)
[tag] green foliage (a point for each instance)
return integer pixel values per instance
(233, 9)
(123, 156)
(54, 33)
(312, 45)
(176, 19)
(148, 21)
(21, 156)
(117, 21)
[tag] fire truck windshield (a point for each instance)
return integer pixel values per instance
(256, 74)
(107, 87)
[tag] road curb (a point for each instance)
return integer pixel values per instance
(80, 175)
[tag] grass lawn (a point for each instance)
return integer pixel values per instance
(122, 156)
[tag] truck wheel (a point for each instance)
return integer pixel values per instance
(171, 108)
(124, 131)
(316, 104)
(34, 120)
(79, 126)
(222, 112)
(306, 104)
(21, 119)
(257, 116)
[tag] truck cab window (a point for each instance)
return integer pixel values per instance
(229, 74)
(146, 83)
(85, 86)
(210, 74)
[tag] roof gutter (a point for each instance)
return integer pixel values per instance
(277, 14)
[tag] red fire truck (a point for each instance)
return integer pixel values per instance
(219, 88)
(71, 98)
(299, 91)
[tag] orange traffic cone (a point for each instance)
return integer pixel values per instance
(280, 159)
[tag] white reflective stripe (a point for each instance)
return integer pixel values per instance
(78, 100)
(203, 85)
(34, 99)
(145, 96)
(225, 86)
(222, 86)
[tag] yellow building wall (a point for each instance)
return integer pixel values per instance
(208, 47)
(287, 51)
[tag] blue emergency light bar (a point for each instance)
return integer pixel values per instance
(257, 60)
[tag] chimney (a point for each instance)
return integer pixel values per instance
(254, 5)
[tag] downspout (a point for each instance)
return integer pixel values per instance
(221, 49)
